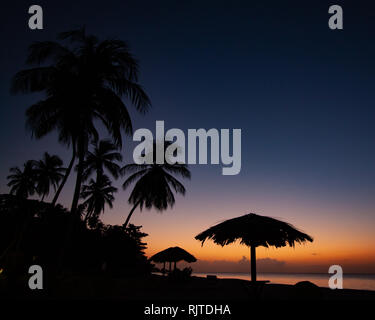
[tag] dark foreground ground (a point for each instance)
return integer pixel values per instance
(159, 289)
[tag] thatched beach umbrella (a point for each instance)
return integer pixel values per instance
(173, 254)
(254, 230)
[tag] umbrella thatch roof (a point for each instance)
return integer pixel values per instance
(173, 254)
(254, 230)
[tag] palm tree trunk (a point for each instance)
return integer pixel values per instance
(253, 264)
(99, 174)
(130, 214)
(77, 190)
(174, 266)
(73, 210)
(67, 173)
(88, 215)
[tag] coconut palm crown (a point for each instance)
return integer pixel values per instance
(154, 184)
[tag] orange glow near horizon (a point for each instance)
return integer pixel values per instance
(345, 241)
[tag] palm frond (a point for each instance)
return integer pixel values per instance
(133, 91)
(133, 178)
(41, 51)
(32, 80)
(177, 185)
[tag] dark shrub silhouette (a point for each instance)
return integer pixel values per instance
(105, 249)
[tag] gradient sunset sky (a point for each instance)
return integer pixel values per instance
(302, 94)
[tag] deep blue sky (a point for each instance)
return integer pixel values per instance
(302, 94)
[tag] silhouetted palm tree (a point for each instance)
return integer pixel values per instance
(22, 182)
(49, 172)
(104, 156)
(97, 194)
(84, 83)
(154, 184)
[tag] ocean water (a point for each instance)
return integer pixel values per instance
(350, 281)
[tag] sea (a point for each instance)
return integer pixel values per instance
(350, 281)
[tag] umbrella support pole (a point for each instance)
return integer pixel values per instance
(253, 264)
